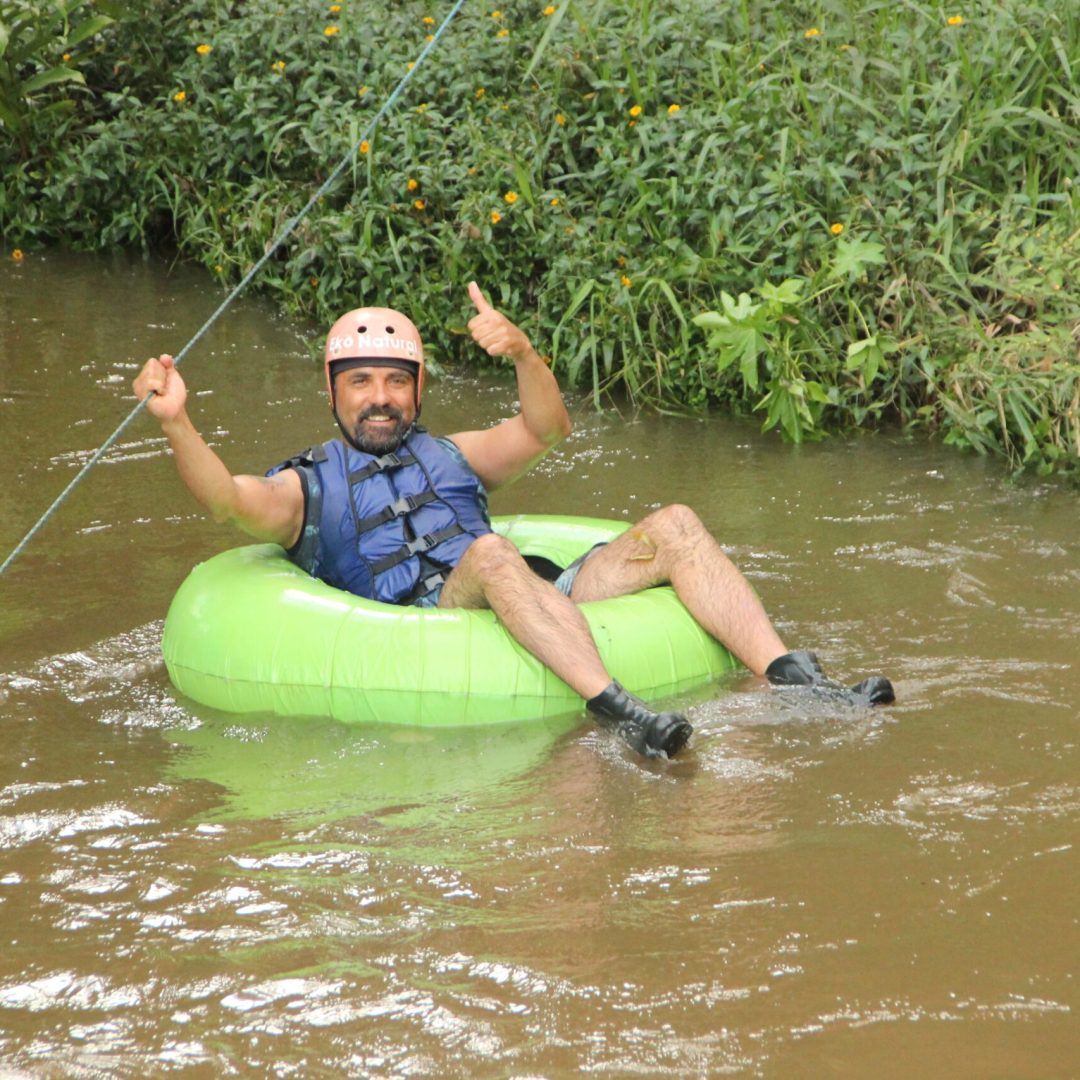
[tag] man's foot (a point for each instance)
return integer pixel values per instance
(650, 733)
(803, 669)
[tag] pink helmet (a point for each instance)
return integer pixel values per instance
(377, 337)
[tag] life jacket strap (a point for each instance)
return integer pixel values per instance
(415, 547)
(404, 505)
(424, 586)
(387, 461)
(313, 455)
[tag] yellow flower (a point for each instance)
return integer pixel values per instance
(554, 202)
(496, 14)
(409, 66)
(626, 282)
(635, 110)
(812, 32)
(427, 20)
(560, 119)
(422, 107)
(202, 50)
(633, 123)
(550, 9)
(179, 95)
(330, 31)
(503, 33)
(419, 204)
(411, 184)
(314, 281)
(365, 146)
(429, 37)
(219, 268)
(956, 20)
(17, 255)
(480, 92)
(836, 229)
(335, 8)
(511, 197)
(66, 57)
(496, 217)
(362, 91)
(672, 109)
(278, 65)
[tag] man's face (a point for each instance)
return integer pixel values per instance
(376, 406)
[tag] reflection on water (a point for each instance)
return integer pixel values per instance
(812, 890)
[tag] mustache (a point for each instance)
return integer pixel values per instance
(388, 411)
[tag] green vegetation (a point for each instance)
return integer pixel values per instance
(868, 216)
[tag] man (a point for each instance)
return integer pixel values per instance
(391, 513)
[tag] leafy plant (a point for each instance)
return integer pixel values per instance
(873, 211)
(32, 37)
(779, 344)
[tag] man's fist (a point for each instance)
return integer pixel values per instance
(160, 378)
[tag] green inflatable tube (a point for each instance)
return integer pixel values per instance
(250, 632)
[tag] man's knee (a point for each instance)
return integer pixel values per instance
(491, 554)
(675, 522)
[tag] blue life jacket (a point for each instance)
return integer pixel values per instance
(388, 528)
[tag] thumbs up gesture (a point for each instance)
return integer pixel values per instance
(494, 332)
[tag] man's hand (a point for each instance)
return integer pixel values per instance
(494, 332)
(160, 377)
(501, 453)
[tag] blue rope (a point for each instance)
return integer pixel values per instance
(244, 282)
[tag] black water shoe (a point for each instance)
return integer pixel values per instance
(803, 669)
(650, 733)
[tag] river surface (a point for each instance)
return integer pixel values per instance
(809, 891)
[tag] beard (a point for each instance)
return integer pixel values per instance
(383, 440)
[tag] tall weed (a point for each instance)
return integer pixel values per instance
(878, 210)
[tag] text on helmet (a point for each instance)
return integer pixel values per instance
(340, 343)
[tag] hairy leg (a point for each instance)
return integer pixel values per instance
(671, 546)
(493, 575)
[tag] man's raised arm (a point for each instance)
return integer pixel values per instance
(268, 509)
(502, 453)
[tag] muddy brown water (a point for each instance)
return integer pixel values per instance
(811, 891)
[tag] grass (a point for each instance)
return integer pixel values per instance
(890, 186)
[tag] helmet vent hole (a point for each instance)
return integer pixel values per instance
(389, 329)
(361, 329)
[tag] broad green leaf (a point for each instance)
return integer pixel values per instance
(9, 119)
(751, 345)
(872, 365)
(739, 310)
(47, 78)
(711, 320)
(524, 186)
(855, 352)
(580, 297)
(88, 28)
(853, 256)
(788, 292)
